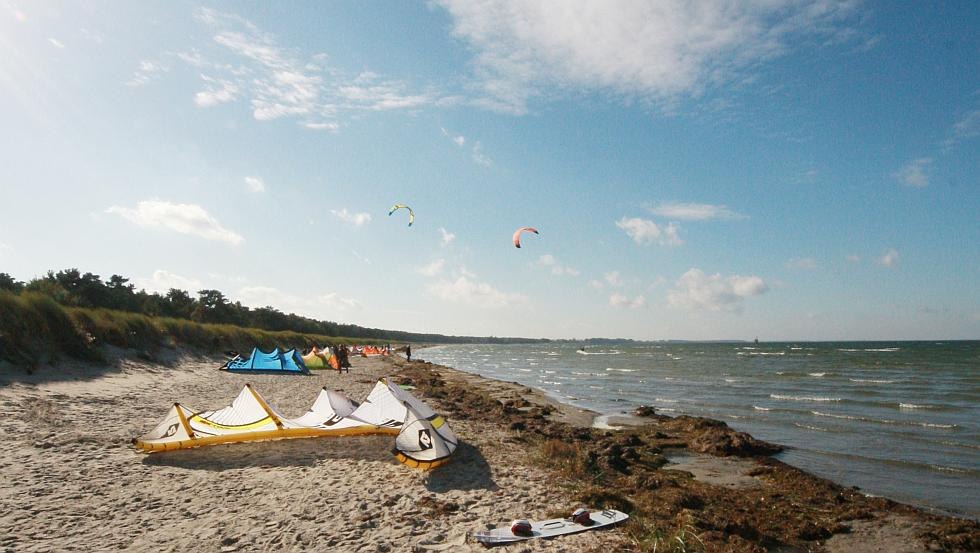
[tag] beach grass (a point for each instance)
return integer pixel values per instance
(35, 329)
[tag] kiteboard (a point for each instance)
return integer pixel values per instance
(551, 528)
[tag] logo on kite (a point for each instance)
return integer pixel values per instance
(425, 440)
(517, 235)
(171, 430)
(411, 214)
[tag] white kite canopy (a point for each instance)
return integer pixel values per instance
(424, 438)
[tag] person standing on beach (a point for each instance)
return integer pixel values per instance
(408, 352)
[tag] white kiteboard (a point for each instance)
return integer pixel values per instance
(551, 528)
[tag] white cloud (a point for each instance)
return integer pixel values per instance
(432, 269)
(465, 289)
(148, 71)
(182, 218)
(654, 51)
(162, 281)
(596, 284)
(694, 212)
(551, 262)
(853, 258)
(914, 174)
(335, 301)
(802, 263)
(479, 157)
(217, 92)
(356, 219)
(888, 259)
(56, 43)
(321, 126)
(612, 278)
(244, 62)
(700, 292)
(458, 140)
(645, 231)
(620, 300)
(966, 127)
(255, 184)
(447, 237)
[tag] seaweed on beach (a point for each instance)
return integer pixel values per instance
(670, 510)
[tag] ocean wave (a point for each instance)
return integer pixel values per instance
(621, 370)
(757, 408)
(808, 427)
(803, 398)
(754, 353)
(730, 380)
(614, 352)
(818, 375)
(871, 381)
(914, 406)
(885, 421)
(889, 350)
(664, 400)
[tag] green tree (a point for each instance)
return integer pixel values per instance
(7, 282)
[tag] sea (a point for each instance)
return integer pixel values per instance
(896, 419)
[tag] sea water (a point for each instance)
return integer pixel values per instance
(897, 419)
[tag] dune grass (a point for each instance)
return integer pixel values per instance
(34, 330)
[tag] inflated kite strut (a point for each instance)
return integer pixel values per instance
(423, 438)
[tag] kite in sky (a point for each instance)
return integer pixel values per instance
(411, 214)
(517, 234)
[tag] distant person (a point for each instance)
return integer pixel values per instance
(408, 352)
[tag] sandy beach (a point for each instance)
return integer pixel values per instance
(72, 480)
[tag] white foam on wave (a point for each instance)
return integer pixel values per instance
(621, 370)
(885, 421)
(664, 400)
(731, 380)
(808, 427)
(868, 349)
(871, 381)
(803, 398)
(913, 406)
(818, 375)
(757, 408)
(754, 353)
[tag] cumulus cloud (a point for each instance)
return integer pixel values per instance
(431, 269)
(217, 91)
(333, 300)
(148, 70)
(162, 281)
(645, 231)
(653, 51)
(465, 289)
(694, 212)
(255, 184)
(623, 301)
(182, 218)
(696, 291)
(269, 296)
(888, 259)
(802, 263)
(557, 268)
(356, 219)
(56, 43)
(914, 174)
(479, 156)
(853, 258)
(447, 237)
(457, 139)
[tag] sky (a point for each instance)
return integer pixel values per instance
(787, 170)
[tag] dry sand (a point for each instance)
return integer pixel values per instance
(72, 481)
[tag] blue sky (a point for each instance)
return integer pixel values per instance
(788, 170)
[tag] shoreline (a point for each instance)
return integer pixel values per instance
(73, 481)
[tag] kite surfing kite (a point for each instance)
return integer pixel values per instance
(517, 235)
(411, 214)
(423, 438)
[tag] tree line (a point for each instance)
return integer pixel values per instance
(71, 287)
